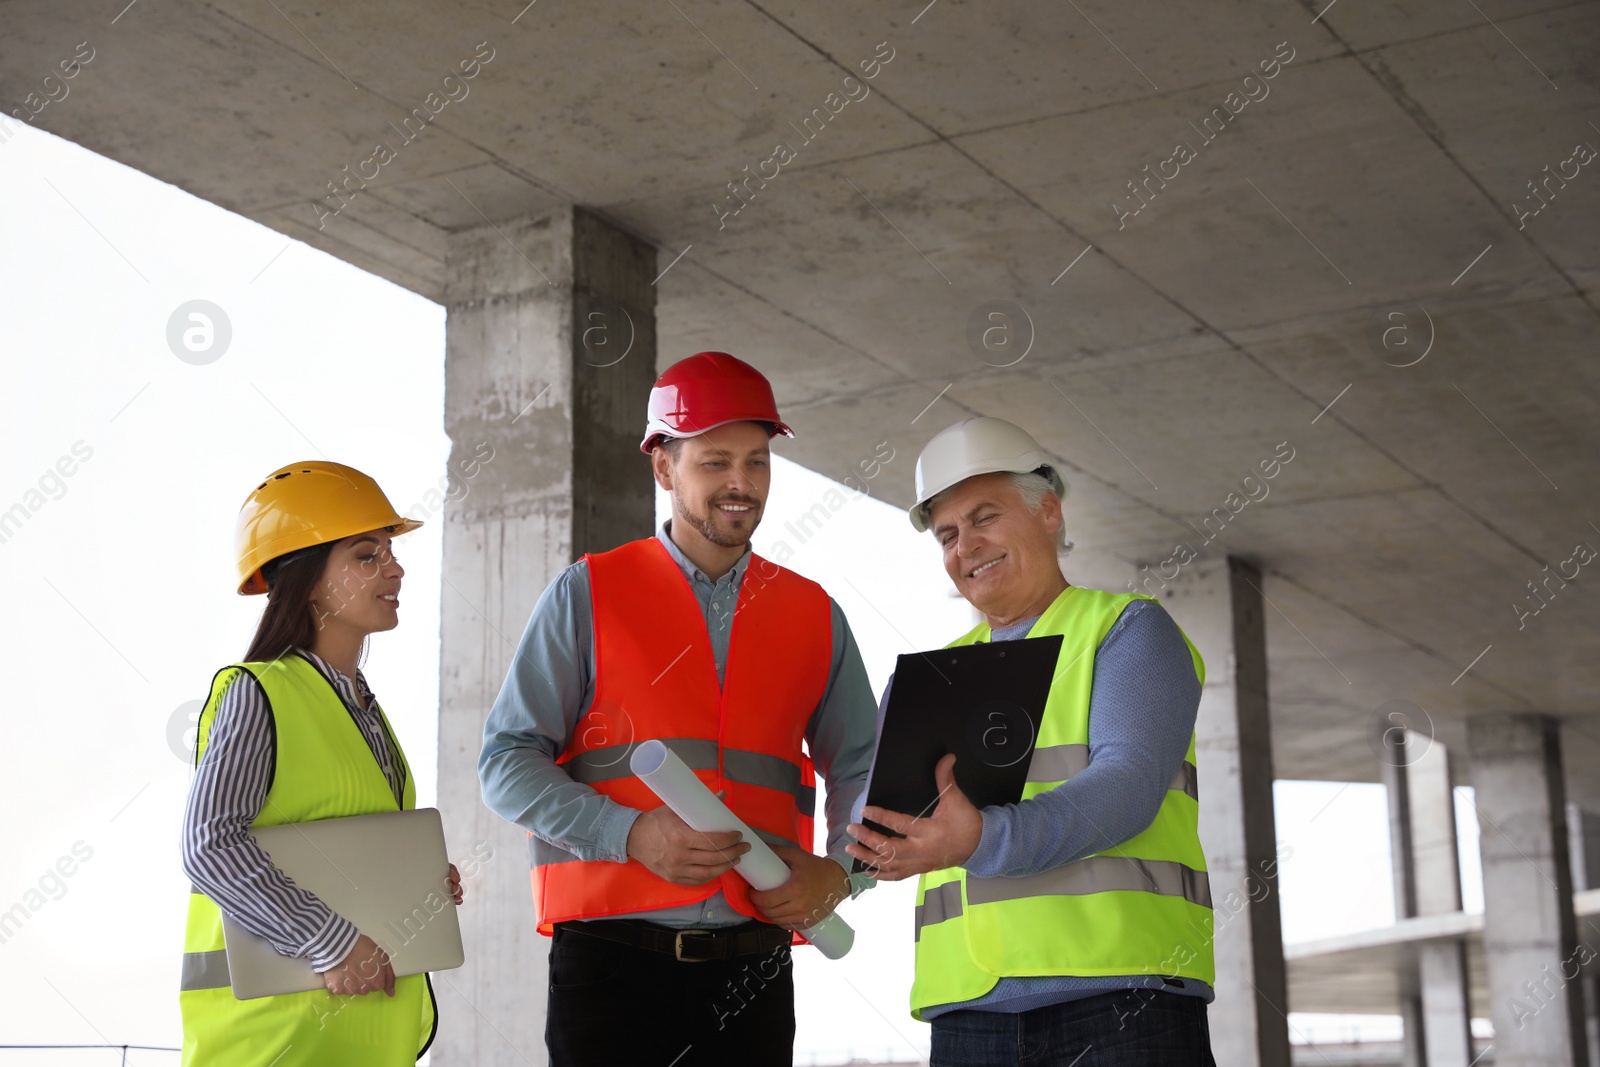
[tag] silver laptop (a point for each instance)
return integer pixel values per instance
(386, 873)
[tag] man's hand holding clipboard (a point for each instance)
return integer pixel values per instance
(978, 706)
(943, 839)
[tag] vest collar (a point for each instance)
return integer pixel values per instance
(1052, 615)
(357, 686)
(328, 673)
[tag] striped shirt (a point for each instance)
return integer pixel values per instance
(227, 793)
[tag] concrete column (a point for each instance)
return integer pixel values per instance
(1583, 839)
(1530, 937)
(1583, 833)
(1394, 757)
(1395, 754)
(550, 355)
(1436, 867)
(1219, 605)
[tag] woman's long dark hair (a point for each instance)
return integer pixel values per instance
(289, 621)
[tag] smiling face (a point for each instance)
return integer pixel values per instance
(360, 586)
(1001, 556)
(719, 482)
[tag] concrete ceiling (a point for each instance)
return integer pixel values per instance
(1371, 185)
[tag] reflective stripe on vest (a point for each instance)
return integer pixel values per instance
(1141, 907)
(542, 853)
(938, 904)
(1098, 874)
(323, 769)
(656, 679)
(1094, 874)
(752, 768)
(205, 970)
(1057, 763)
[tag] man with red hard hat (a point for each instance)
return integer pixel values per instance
(661, 953)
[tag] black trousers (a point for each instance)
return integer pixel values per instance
(611, 1004)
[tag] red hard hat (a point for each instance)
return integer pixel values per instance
(707, 390)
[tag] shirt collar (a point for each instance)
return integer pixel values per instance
(358, 686)
(1015, 630)
(735, 575)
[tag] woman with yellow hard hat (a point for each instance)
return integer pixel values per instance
(292, 734)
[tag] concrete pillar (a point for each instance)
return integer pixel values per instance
(1436, 868)
(1395, 754)
(550, 355)
(1219, 605)
(1583, 833)
(1530, 937)
(1394, 757)
(1583, 840)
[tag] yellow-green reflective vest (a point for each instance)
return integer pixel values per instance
(1142, 907)
(324, 769)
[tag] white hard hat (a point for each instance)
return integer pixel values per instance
(977, 446)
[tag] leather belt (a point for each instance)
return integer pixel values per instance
(689, 946)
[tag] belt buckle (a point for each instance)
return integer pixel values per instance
(677, 947)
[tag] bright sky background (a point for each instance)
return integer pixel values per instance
(119, 606)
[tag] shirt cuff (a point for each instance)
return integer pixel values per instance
(985, 859)
(614, 827)
(859, 883)
(330, 947)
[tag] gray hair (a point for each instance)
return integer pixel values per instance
(1031, 487)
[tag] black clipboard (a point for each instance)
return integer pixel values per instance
(983, 702)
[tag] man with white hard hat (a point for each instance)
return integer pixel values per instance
(1074, 926)
(660, 952)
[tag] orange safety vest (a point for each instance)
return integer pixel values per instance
(655, 679)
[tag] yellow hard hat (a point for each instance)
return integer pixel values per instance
(307, 504)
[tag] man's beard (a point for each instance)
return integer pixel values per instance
(706, 522)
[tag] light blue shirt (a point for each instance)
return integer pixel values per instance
(551, 684)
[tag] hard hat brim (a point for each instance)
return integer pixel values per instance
(255, 582)
(303, 505)
(918, 512)
(654, 433)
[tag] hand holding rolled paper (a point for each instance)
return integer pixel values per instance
(673, 850)
(816, 886)
(671, 780)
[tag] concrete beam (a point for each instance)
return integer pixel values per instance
(1219, 605)
(550, 354)
(1530, 935)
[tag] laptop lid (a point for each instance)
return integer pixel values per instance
(385, 872)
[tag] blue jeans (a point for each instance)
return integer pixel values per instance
(1136, 1028)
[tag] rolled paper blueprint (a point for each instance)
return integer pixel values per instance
(671, 780)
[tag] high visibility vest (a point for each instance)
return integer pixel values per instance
(656, 679)
(324, 769)
(1141, 907)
